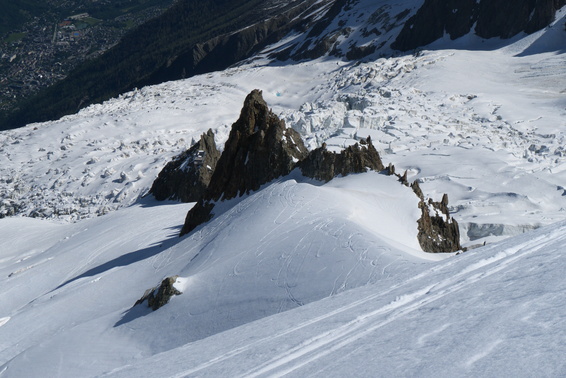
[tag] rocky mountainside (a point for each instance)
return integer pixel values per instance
(261, 148)
(495, 18)
(190, 38)
(193, 38)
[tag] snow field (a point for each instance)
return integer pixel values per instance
(495, 310)
(289, 244)
(299, 278)
(426, 114)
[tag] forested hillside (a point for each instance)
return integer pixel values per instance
(16, 12)
(142, 57)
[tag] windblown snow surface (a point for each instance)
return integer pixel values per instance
(300, 278)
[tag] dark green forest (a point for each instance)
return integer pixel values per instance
(141, 58)
(15, 13)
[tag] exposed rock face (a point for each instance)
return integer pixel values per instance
(433, 19)
(160, 295)
(493, 18)
(260, 148)
(501, 18)
(187, 176)
(438, 232)
(322, 43)
(324, 165)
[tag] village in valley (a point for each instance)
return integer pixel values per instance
(47, 48)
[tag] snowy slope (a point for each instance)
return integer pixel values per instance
(484, 124)
(495, 311)
(491, 311)
(287, 245)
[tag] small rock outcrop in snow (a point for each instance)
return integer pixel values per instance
(160, 295)
(187, 176)
(438, 231)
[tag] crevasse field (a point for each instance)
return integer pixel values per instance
(300, 278)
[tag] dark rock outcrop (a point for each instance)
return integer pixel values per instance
(503, 18)
(324, 165)
(260, 148)
(494, 18)
(433, 19)
(160, 295)
(268, 25)
(187, 176)
(438, 231)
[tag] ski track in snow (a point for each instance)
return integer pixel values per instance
(366, 323)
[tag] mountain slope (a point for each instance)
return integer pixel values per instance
(198, 37)
(494, 311)
(192, 37)
(289, 244)
(299, 277)
(488, 19)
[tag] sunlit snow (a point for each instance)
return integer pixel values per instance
(299, 278)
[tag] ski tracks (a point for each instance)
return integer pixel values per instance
(364, 323)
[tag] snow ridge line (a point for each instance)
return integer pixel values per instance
(341, 336)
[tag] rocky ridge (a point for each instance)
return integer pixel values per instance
(495, 18)
(324, 165)
(261, 148)
(187, 176)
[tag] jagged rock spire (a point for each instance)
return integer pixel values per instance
(260, 148)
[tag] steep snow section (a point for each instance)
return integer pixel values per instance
(491, 312)
(287, 245)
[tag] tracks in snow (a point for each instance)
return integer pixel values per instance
(314, 339)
